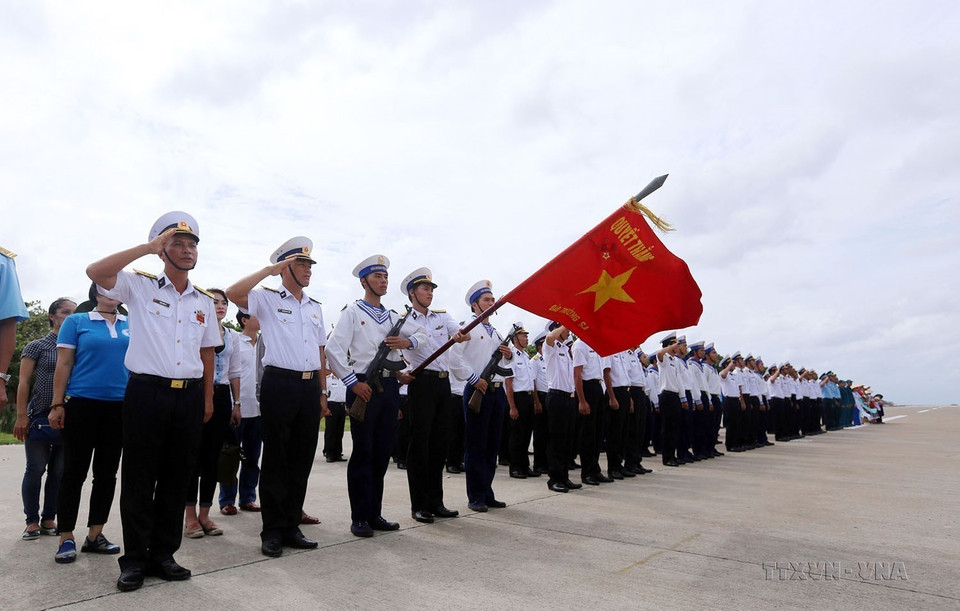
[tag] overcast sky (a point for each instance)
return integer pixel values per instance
(813, 150)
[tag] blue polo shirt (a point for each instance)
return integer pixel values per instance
(98, 369)
(11, 302)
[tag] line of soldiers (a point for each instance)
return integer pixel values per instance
(568, 399)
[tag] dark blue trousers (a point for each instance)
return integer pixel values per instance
(373, 441)
(482, 442)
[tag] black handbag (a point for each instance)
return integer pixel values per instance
(229, 462)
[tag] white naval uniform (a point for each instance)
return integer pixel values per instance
(559, 366)
(524, 374)
(294, 330)
(586, 357)
(439, 327)
(467, 359)
(169, 328)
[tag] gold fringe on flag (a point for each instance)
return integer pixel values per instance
(658, 222)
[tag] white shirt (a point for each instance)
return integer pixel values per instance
(559, 366)
(247, 357)
(167, 329)
(653, 385)
(618, 369)
(467, 359)
(670, 372)
(226, 364)
(357, 337)
(439, 327)
(523, 371)
(712, 378)
(586, 357)
(748, 382)
(338, 390)
(731, 384)
(635, 368)
(697, 378)
(540, 365)
(294, 330)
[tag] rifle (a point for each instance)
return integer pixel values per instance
(492, 368)
(379, 363)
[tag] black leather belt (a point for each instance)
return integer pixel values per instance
(434, 374)
(523, 392)
(497, 384)
(291, 373)
(563, 393)
(166, 382)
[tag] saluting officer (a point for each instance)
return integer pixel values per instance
(292, 394)
(483, 429)
(561, 406)
(521, 397)
(354, 343)
(173, 333)
(672, 396)
(428, 401)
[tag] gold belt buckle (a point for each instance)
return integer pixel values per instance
(572, 395)
(176, 383)
(443, 374)
(306, 375)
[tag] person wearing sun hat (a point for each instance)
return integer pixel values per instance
(292, 391)
(169, 393)
(356, 338)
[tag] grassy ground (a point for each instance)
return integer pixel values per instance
(7, 439)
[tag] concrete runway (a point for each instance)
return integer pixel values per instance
(854, 519)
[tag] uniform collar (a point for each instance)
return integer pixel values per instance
(284, 293)
(164, 282)
(94, 315)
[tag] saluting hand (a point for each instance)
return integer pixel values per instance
(158, 244)
(276, 268)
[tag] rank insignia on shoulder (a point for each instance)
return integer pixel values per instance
(316, 301)
(207, 293)
(439, 311)
(269, 288)
(7, 253)
(145, 274)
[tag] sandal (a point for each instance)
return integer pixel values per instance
(229, 510)
(30, 535)
(50, 531)
(211, 529)
(193, 531)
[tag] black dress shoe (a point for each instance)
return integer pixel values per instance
(518, 474)
(495, 504)
(603, 479)
(361, 529)
(271, 547)
(381, 523)
(442, 512)
(590, 480)
(503, 462)
(423, 516)
(130, 580)
(331, 459)
(572, 486)
(574, 465)
(168, 570)
(640, 470)
(296, 540)
(532, 473)
(615, 474)
(557, 487)
(671, 463)
(647, 454)
(478, 507)
(717, 453)
(401, 465)
(627, 472)
(454, 469)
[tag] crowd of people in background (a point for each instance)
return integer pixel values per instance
(190, 402)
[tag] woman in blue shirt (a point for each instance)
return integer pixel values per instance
(88, 392)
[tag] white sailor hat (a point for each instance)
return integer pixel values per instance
(749, 357)
(759, 359)
(294, 248)
(421, 275)
(180, 222)
(682, 339)
(480, 288)
(695, 345)
(521, 329)
(709, 348)
(373, 263)
(726, 361)
(539, 338)
(736, 355)
(669, 338)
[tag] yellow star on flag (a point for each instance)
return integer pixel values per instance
(610, 287)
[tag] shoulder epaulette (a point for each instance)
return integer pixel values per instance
(207, 293)
(439, 311)
(269, 288)
(316, 301)
(344, 307)
(394, 311)
(7, 253)
(147, 274)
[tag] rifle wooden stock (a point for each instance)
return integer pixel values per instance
(358, 409)
(475, 400)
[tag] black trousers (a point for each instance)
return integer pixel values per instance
(589, 435)
(636, 427)
(562, 412)
(212, 436)
(617, 428)
(456, 431)
(669, 423)
(333, 429)
(427, 416)
(541, 435)
(290, 417)
(161, 434)
(373, 441)
(520, 430)
(402, 444)
(93, 430)
(733, 417)
(482, 442)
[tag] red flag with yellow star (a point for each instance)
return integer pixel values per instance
(615, 286)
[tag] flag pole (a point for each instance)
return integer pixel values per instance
(654, 184)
